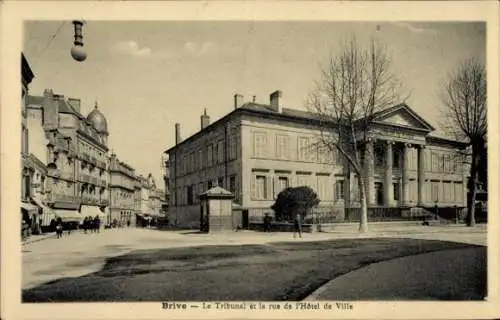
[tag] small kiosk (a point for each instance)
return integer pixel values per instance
(216, 210)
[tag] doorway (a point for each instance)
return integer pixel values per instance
(244, 219)
(379, 193)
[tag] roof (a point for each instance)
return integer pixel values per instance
(379, 115)
(26, 72)
(256, 109)
(216, 192)
(98, 120)
(302, 116)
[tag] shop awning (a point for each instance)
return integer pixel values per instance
(48, 213)
(68, 215)
(38, 202)
(91, 211)
(29, 207)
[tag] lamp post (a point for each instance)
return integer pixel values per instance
(77, 51)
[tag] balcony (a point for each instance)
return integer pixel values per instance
(66, 176)
(51, 172)
(84, 178)
(103, 165)
(85, 157)
(62, 198)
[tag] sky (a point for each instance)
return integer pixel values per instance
(147, 75)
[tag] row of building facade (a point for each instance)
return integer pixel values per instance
(67, 169)
(257, 150)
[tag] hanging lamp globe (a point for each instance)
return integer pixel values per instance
(77, 51)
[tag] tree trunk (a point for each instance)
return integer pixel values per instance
(363, 218)
(471, 195)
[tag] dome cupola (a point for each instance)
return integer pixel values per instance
(98, 121)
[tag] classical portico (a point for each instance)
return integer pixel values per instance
(396, 133)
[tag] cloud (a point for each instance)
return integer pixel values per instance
(414, 28)
(199, 50)
(132, 48)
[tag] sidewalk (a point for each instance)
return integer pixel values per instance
(36, 238)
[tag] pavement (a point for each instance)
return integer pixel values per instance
(79, 254)
(456, 274)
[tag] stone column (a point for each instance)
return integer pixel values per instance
(368, 164)
(405, 176)
(388, 189)
(421, 174)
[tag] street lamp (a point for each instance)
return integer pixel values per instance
(77, 51)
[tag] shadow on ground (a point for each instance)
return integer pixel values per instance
(272, 272)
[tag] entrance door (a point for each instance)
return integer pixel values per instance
(379, 193)
(244, 219)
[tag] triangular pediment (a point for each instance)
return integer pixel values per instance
(403, 116)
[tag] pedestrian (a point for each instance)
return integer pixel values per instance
(97, 224)
(297, 226)
(267, 222)
(59, 229)
(128, 223)
(85, 225)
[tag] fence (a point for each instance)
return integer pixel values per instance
(333, 214)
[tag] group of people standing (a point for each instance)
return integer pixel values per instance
(92, 224)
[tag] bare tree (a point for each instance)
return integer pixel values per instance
(354, 86)
(464, 99)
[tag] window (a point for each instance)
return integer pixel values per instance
(459, 193)
(324, 155)
(441, 163)
(220, 182)
(200, 188)
(200, 159)
(434, 162)
(260, 188)
(303, 180)
(323, 187)
(221, 154)
(447, 191)
(259, 144)
(396, 189)
(232, 147)
(209, 156)
(339, 158)
(379, 157)
(216, 153)
(303, 149)
(435, 191)
(232, 184)
(339, 190)
(395, 159)
(209, 184)
(282, 146)
(282, 183)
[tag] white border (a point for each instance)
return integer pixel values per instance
(12, 16)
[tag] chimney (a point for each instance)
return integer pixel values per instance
(276, 100)
(254, 98)
(238, 100)
(205, 120)
(50, 110)
(75, 103)
(177, 133)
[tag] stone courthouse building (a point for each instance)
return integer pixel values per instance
(257, 150)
